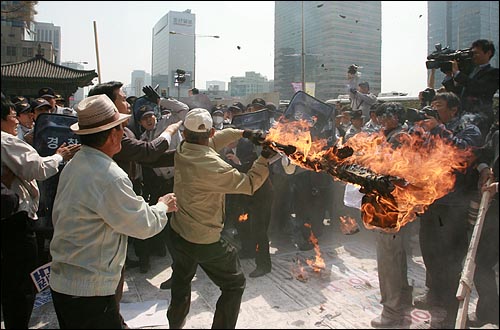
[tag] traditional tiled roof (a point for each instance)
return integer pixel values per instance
(40, 68)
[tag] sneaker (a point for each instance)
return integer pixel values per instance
(386, 322)
(166, 285)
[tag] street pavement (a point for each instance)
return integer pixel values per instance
(344, 294)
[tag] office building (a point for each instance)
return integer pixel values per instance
(458, 23)
(336, 34)
(251, 83)
(48, 32)
(18, 34)
(139, 79)
(174, 49)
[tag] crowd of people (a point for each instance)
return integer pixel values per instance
(155, 174)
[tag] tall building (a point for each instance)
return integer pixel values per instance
(336, 34)
(458, 23)
(80, 93)
(18, 34)
(48, 32)
(173, 49)
(251, 83)
(139, 79)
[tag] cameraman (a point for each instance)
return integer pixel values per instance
(359, 94)
(443, 227)
(476, 90)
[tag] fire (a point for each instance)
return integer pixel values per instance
(348, 225)
(427, 166)
(318, 264)
(243, 217)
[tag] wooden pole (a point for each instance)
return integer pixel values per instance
(97, 53)
(467, 278)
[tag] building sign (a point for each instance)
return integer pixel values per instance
(183, 21)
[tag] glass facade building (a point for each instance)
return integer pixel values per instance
(336, 35)
(458, 23)
(173, 49)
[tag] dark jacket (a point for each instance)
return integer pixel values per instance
(134, 150)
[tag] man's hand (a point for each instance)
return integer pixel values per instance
(267, 152)
(353, 90)
(151, 94)
(485, 174)
(454, 67)
(67, 152)
(492, 188)
(256, 136)
(173, 128)
(7, 176)
(170, 201)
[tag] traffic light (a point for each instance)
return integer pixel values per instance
(180, 77)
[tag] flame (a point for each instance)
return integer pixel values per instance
(348, 225)
(427, 163)
(243, 217)
(318, 264)
(299, 272)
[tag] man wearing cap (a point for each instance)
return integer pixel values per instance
(25, 116)
(39, 106)
(258, 104)
(95, 210)
(356, 126)
(361, 98)
(22, 166)
(48, 94)
(201, 181)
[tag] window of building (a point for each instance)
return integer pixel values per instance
(11, 51)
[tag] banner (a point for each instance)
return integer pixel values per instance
(297, 86)
(40, 277)
(310, 87)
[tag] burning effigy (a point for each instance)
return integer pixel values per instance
(397, 183)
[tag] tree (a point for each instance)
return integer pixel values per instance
(19, 11)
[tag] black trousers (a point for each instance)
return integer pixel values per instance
(443, 242)
(486, 259)
(19, 258)
(75, 312)
(220, 262)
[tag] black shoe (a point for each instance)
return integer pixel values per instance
(426, 301)
(477, 322)
(144, 267)
(305, 246)
(166, 285)
(385, 322)
(259, 272)
(246, 255)
(129, 263)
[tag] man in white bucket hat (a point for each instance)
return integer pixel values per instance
(95, 210)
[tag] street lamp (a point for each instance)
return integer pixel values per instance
(194, 48)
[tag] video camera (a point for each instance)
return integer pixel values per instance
(441, 58)
(423, 114)
(352, 69)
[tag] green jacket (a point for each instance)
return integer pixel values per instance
(201, 181)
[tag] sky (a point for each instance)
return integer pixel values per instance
(124, 38)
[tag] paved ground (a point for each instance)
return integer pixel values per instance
(343, 295)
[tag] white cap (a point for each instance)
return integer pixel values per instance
(198, 120)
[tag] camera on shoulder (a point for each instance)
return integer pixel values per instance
(441, 58)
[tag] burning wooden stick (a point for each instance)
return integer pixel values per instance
(351, 173)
